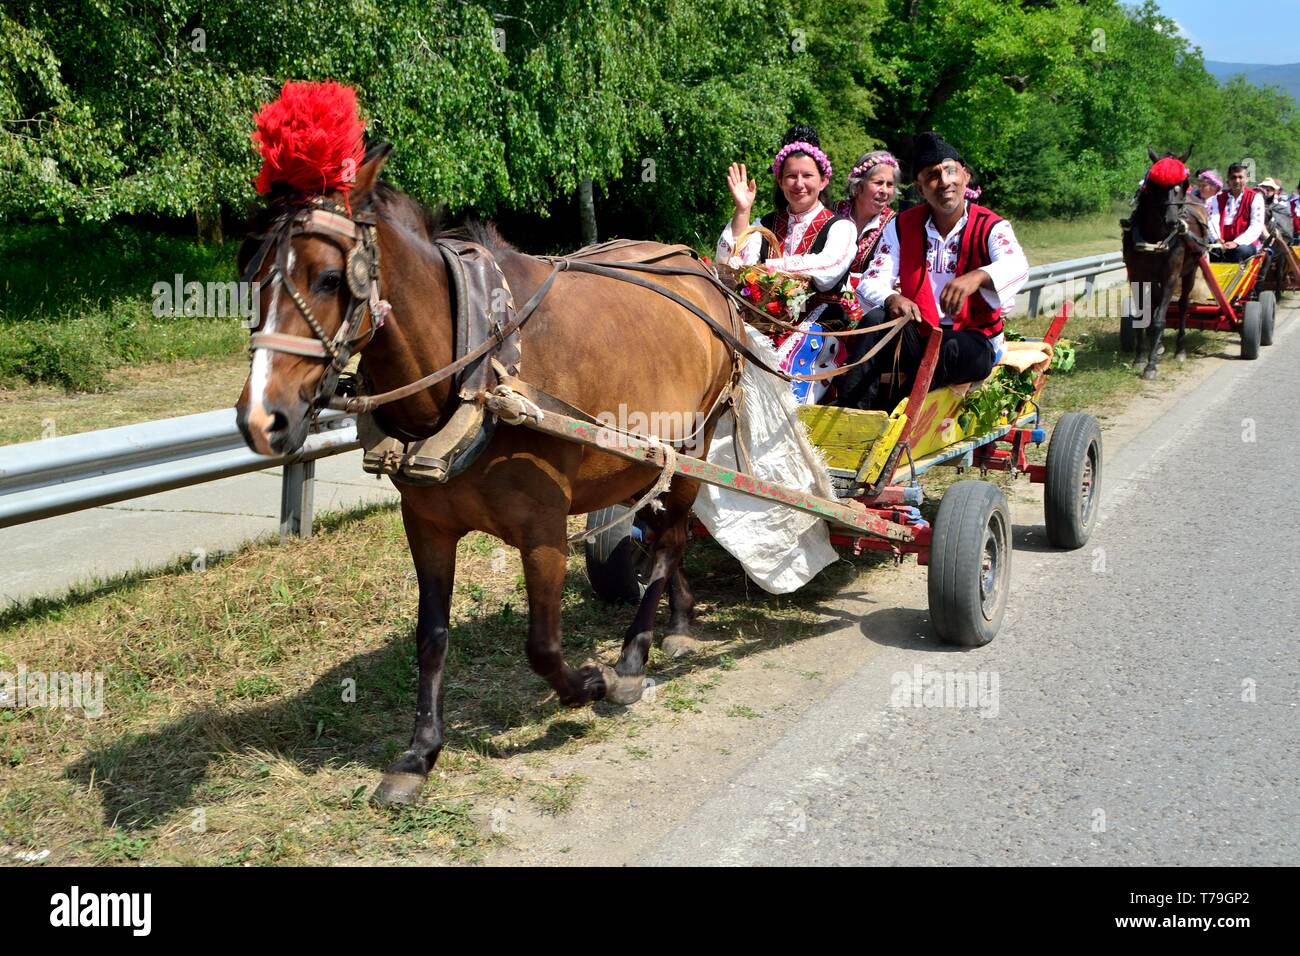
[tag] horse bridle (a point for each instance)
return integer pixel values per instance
(1179, 229)
(321, 216)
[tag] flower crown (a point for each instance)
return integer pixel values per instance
(884, 160)
(799, 146)
(1210, 176)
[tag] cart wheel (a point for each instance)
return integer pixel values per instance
(1072, 490)
(1127, 335)
(1268, 302)
(970, 564)
(1252, 322)
(618, 561)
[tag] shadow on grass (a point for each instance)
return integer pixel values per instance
(144, 777)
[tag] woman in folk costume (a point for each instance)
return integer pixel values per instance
(1206, 184)
(872, 185)
(814, 242)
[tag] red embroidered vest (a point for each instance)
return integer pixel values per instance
(1230, 231)
(973, 253)
(814, 237)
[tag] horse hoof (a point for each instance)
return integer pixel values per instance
(1149, 373)
(1180, 358)
(1160, 350)
(680, 645)
(397, 789)
(622, 690)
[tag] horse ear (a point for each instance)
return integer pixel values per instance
(1187, 154)
(369, 172)
(1152, 153)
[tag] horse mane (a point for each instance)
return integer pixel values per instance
(407, 210)
(397, 207)
(484, 232)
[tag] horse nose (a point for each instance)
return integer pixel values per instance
(264, 424)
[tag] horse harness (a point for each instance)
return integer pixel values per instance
(487, 345)
(1179, 232)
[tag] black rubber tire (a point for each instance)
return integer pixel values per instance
(1268, 302)
(966, 602)
(1127, 335)
(1072, 489)
(618, 565)
(1252, 322)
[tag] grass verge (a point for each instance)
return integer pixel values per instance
(76, 302)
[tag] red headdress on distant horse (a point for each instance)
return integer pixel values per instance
(310, 139)
(1167, 172)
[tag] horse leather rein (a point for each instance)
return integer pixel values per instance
(322, 216)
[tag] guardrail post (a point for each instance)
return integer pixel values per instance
(1033, 302)
(297, 489)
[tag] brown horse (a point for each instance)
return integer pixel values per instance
(1162, 245)
(594, 342)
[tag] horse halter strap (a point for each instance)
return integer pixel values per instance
(1179, 230)
(361, 269)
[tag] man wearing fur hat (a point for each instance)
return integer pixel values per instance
(949, 263)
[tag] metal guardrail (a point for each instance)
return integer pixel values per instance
(57, 476)
(1067, 271)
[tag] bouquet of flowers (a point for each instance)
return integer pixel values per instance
(779, 294)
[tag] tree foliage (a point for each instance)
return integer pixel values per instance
(110, 109)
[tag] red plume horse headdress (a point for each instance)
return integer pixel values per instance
(1167, 172)
(310, 139)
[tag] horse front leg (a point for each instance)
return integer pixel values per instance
(1180, 350)
(1141, 306)
(1158, 329)
(434, 553)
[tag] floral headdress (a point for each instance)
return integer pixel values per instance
(1211, 177)
(884, 159)
(799, 146)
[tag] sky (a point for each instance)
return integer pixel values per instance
(1236, 31)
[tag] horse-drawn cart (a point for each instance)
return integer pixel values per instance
(1284, 274)
(1226, 300)
(876, 460)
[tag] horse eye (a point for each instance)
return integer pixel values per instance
(328, 281)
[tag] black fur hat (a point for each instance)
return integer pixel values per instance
(929, 149)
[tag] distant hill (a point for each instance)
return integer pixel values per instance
(1286, 75)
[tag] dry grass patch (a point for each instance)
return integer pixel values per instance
(249, 708)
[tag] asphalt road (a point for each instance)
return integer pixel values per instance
(1139, 705)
